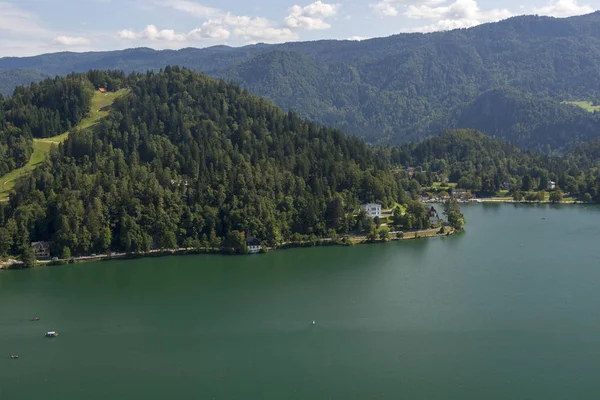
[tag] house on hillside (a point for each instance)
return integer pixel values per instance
(102, 90)
(459, 193)
(551, 185)
(253, 245)
(434, 219)
(410, 171)
(373, 209)
(41, 249)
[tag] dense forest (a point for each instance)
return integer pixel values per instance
(485, 166)
(405, 87)
(184, 160)
(41, 110)
(530, 122)
(15, 147)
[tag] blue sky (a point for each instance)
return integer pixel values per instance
(29, 27)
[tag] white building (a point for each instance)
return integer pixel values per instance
(373, 209)
(434, 219)
(551, 185)
(41, 249)
(253, 245)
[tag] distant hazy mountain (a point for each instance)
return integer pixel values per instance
(389, 90)
(9, 79)
(529, 121)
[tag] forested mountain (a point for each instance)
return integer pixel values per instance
(184, 160)
(396, 89)
(41, 110)
(10, 79)
(529, 121)
(485, 165)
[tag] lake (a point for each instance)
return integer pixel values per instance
(508, 310)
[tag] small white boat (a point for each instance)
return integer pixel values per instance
(314, 322)
(52, 334)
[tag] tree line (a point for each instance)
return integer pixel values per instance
(485, 166)
(186, 161)
(404, 87)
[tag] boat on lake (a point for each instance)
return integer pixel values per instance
(35, 319)
(52, 334)
(14, 357)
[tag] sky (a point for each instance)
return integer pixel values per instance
(31, 27)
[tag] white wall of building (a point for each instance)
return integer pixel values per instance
(373, 210)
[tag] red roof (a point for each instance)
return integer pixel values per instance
(102, 90)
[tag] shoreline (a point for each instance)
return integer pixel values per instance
(501, 200)
(510, 200)
(351, 241)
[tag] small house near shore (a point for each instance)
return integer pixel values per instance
(434, 218)
(253, 245)
(102, 90)
(373, 209)
(41, 249)
(459, 193)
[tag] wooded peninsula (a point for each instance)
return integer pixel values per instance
(179, 160)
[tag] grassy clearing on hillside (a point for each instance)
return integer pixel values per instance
(402, 208)
(438, 185)
(586, 105)
(7, 182)
(41, 147)
(100, 107)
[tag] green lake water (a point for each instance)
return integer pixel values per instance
(508, 310)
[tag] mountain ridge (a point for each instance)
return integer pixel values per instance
(390, 90)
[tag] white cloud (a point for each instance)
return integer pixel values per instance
(219, 26)
(127, 34)
(459, 14)
(236, 20)
(459, 10)
(311, 17)
(71, 41)
(256, 29)
(255, 34)
(151, 32)
(210, 30)
(391, 8)
(385, 9)
(190, 7)
(564, 8)
(250, 29)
